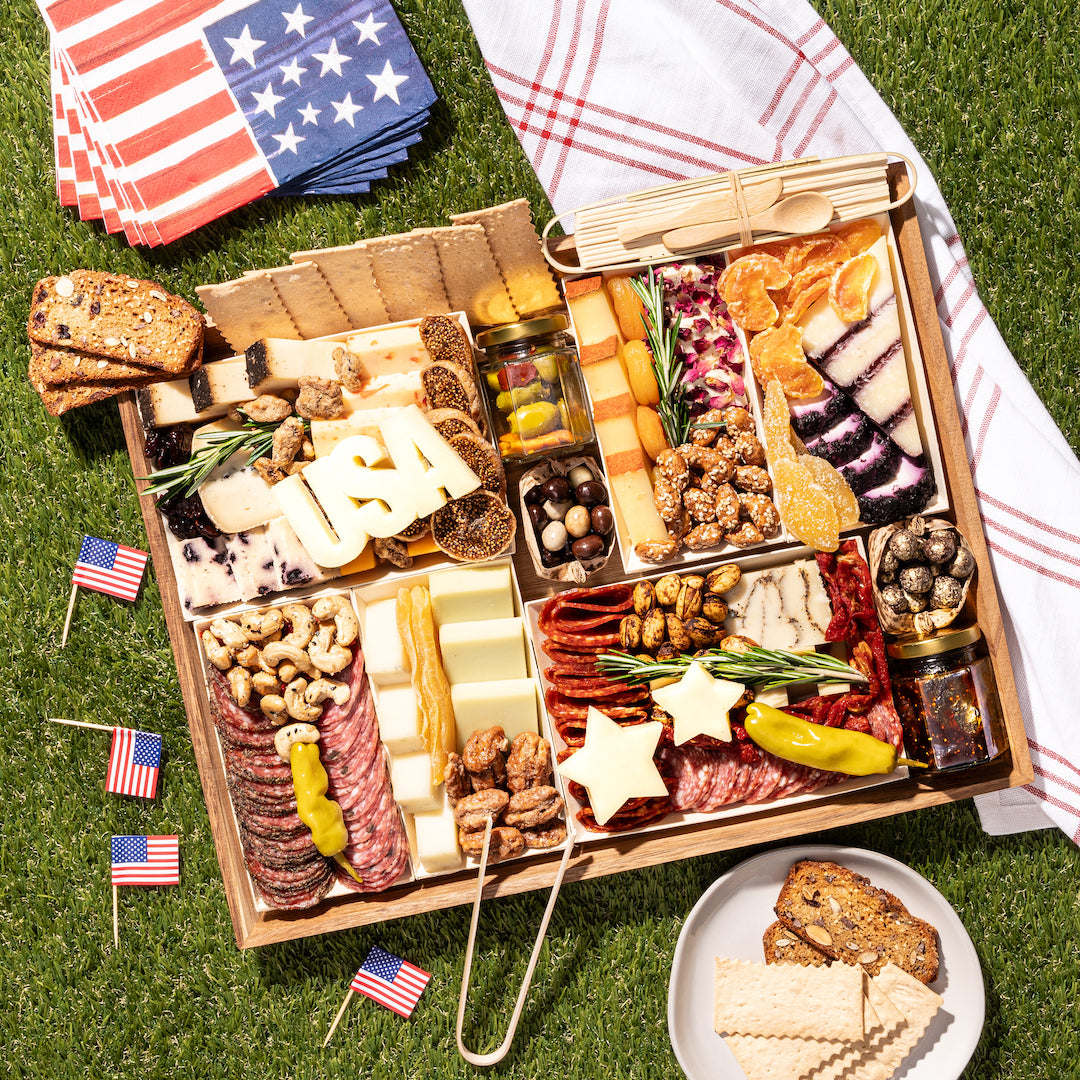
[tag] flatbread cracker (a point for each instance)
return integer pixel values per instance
(516, 247)
(471, 275)
(247, 309)
(407, 271)
(756, 999)
(350, 276)
(309, 299)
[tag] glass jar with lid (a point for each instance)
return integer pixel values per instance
(947, 697)
(533, 386)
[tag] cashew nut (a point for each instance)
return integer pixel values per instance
(295, 704)
(293, 733)
(240, 685)
(277, 651)
(229, 632)
(265, 683)
(217, 653)
(259, 625)
(287, 672)
(273, 707)
(321, 689)
(327, 655)
(249, 656)
(303, 624)
(340, 610)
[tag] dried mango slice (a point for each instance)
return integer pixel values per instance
(639, 373)
(629, 309)
(837, 488)
(777, 423)
(858, 235)
(776, 353)
(849, 290)
(806, 509)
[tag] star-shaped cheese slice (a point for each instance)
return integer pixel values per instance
(699, 704)
(615, 764)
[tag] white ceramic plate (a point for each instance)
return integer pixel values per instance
(730, 918)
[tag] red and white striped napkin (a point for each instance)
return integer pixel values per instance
(611, 96)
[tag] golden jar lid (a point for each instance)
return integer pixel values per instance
(942, 641)
(519, 331)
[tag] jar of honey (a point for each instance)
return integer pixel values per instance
(947, 698)
(533, 387)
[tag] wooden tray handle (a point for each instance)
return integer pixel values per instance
(501, 1051)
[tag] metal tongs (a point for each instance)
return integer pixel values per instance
(501, 1051)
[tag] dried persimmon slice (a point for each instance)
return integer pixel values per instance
(777, 353)
(849, 290)
(799, 304)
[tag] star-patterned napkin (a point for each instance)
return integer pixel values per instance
(168, 116)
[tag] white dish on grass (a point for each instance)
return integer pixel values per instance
(731, 917)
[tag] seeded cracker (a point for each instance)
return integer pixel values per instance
(349, 273)
(309, 300)
(247, 309)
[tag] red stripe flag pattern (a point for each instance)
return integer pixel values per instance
(109, 567)
(133, 763)
(146, 860)
(390, 981)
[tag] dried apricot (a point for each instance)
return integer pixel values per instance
(837, 488)
(777, 423)
(776, 353)
(849, 290)
(650, 432)
(639, 373)
(859, 235)
(806, 510)
(629, 309)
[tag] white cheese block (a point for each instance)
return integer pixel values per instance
(252, 556)
(234, 495)
(388, 350)
(474, 592)
(483, 649)
(510, 703)
(384, 655)
(436, 838)
(786, 607)
(394, 390)
(165, 403)
(204, 576)
(275, 364)
(399, 718)
(410, 777)
(293, 564)
(220, 384)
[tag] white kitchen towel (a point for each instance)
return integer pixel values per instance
(611, 96)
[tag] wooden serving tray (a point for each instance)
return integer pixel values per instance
(609, 856)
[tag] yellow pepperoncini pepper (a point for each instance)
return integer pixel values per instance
(321, 815)
(832, 749)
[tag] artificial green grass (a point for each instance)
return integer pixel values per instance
(987, 91)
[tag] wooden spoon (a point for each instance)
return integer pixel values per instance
(804, 213)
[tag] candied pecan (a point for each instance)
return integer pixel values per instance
(548, 836)
(506, 842)
(533, 806)
(753, 478)
(475, 810)
(388, 549)
(528, 763)
(457, 780)
(484, 756)
(319, 399)
(349, 370)
(267, 409)
(288, 438)
(271, 473)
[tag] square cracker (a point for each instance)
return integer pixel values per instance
(516, 247)
(471, 275)
(409, 276)
(309, 299)
(789, 1000)
(247, 309)
(349, 274)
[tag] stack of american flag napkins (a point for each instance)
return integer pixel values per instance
(169, 113)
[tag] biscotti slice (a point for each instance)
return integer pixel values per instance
(60, 399)
(845, 915)
(58, 367)
(119, 317)
(784, 946)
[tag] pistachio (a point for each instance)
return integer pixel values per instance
(667, 590)
(723, 578)
(630, 632)
(653, 630)
(688, 602)
(714, 608)
(644, 598)
(677, 635)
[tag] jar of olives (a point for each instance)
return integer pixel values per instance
(533, 386)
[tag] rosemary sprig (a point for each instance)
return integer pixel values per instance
(764, 669)
(255, 438)
(666, 363)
